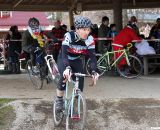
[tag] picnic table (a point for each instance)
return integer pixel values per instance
(146, 62)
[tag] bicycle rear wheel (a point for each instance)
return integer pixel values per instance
(34, 75)
(133, 70)
(76, 116)
(57, 115)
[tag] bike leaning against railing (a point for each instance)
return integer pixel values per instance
(45, 67)
(107, 61)
(75, 109)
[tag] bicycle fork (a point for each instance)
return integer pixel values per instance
(75, 96)
(48, 59)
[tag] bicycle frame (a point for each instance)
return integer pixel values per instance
(124, 52)
(75, 91)
(49, 58)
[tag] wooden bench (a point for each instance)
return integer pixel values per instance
(146, 62)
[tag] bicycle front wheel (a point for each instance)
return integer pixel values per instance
(132, 70)
(34, 75)
(76, 116)
(57, 115)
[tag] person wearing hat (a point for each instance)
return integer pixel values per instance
(75, 44)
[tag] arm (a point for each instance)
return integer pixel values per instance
(135, 36)
(65, 47)
(93, 59)
(26, 42)
(91, 52)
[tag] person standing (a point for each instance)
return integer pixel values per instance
(103, 33)
(14, 49)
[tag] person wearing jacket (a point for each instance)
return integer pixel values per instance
(14, 49)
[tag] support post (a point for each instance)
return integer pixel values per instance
(71, 18)
(117, 12)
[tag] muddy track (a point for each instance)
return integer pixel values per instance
(117, 114)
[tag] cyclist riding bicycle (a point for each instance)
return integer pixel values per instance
(75, 44)
(34, 37)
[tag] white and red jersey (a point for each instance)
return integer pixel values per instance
(73, 47)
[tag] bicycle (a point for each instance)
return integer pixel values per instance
(107, 62)
(75, 104)
(44, 62)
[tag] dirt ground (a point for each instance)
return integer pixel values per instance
(117, 114)
(114, 104)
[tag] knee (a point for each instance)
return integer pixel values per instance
(61, 85)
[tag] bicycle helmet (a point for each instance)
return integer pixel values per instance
(33, 23)
(82, 22)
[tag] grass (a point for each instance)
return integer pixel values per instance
(7, 114)
(5, 100)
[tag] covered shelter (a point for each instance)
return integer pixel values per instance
(76, 6)
(19, 18)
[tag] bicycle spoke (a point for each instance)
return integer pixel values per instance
(34, 76)
(131, 70)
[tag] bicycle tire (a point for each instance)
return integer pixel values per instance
(133, 72)
(56, 121)
(101, 66)
(35, 78)
(78, 124)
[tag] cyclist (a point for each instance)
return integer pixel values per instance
(32, 38)
(75, 44)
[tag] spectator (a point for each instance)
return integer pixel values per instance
(94, 33)
(58, 33)
(64, 27)
(72, 28)
(125, 36)
(112, 32)
(155, 29)
(133, 21)
(14, 49)
(103, 33)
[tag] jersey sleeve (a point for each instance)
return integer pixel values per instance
(65, 47)
(90, 43)
(91, 52)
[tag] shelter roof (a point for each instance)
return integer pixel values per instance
(65, 5)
